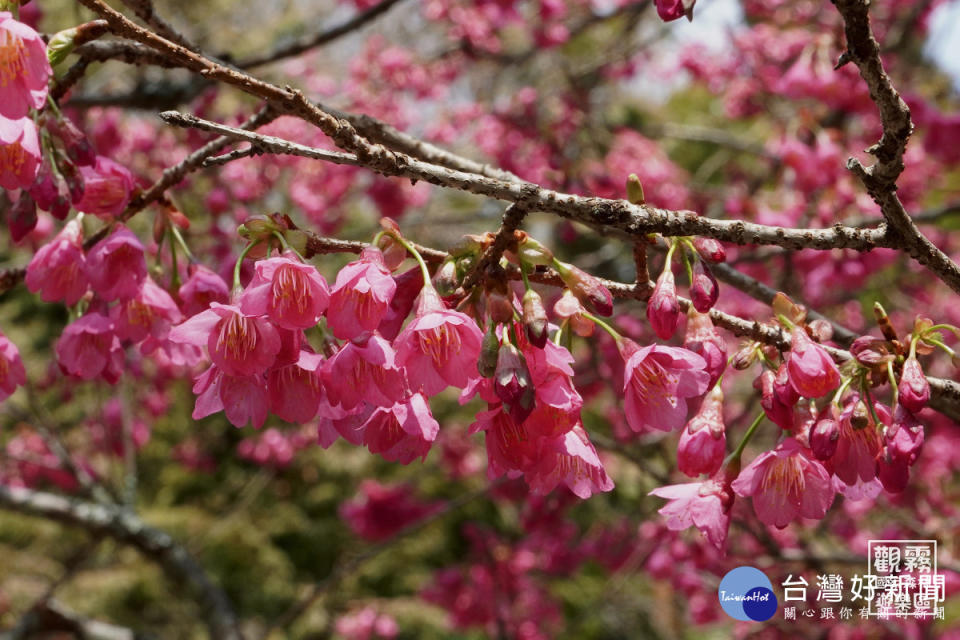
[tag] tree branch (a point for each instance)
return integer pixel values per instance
(880, 179)
(125, 527)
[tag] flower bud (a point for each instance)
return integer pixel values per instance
(745, 357)
(634, 190)
(824, 438)
(489, 351)
(871, 352)
(779, 412)
(904, 437)
(78, 147)
(663, 310)
(445, 279)
(709, 249)
(914, 390)
(860, 418)
(704, 289)
(784, 306)
(812, 371)
(588, 289)
(500, 306)
(535, 318)
(393, 252)
(703, 339)
(703, 443)
(512, 383)
(532, 252)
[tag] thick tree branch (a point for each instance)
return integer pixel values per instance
(880, 179)
(51, 617)
(125, 527)
(614, 215)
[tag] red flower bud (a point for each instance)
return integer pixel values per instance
(704, 289)
(512, 383)
(824, 438)
(663, 310)
(588, 289)
(812, 371)
(710, 250)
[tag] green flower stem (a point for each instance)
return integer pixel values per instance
(416, 256)
(239, 263)
(735, 456)
(839, 393)
(893, 379)
(603, 325)
(180, 241)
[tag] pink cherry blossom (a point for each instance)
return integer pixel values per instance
(149, 313)
(857, 448)
(439, 347)
(365, 372)
(239, 344)
(704, 505)
(89, 348)
(243, 399)
(510, 448)
(24, 68)
(812, 371)
(58, 270)
(202, 287)
(116, 265)
(360, 296)
(20, 157)
(107, 189)
(12, 373)
(658, 383)
(786, 483)
(568, 459)
(403, 432)
(295, 389)
(293, 294)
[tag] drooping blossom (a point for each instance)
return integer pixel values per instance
(512, 382)
(149, 313)
(663, 310)
(704, 505)
(812, 371)
(658, 383)
(12, 373)
(858, 445)
(202, 287)
(402, 433)
(786, 483)
(703, 442)
(242, 398)
(568, 459)
(293, 294)
(89, 348)
(294, 389)
(20, 157)
(510, 448)
(365, 371)
(557, 402)
(24, 68)
(58, 270)
(360, 296)
(913, 389)
(439, 347)
(107, 189)
(903, 438)
(116, 266)
(824, 437)
(239, 344)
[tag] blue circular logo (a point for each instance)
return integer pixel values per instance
(746, 594)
